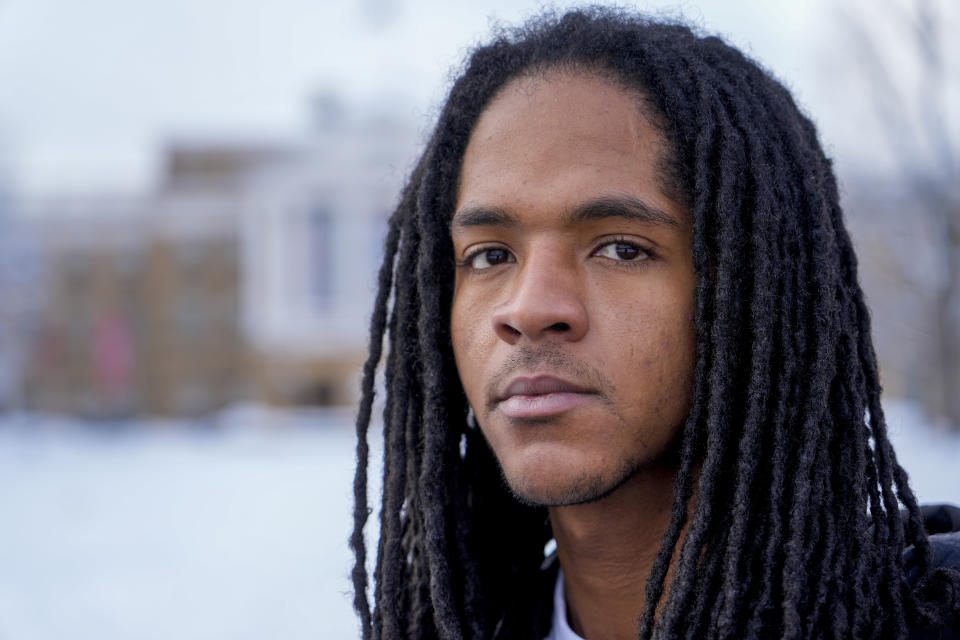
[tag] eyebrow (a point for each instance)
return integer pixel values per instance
(480, 216)
(620, 206)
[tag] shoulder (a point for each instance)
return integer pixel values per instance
(946, 549)
(942, 523)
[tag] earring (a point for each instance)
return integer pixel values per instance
(471, 418)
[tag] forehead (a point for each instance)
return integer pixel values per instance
(559, 137)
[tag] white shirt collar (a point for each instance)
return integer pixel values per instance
(559, 627)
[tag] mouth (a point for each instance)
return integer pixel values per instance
(541, 396)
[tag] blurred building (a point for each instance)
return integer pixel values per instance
(20, 296)
(313, 230)
(141, 307)
(247, 275)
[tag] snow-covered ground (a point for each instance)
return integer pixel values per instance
(235, 530)
(930, 453)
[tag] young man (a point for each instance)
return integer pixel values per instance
(623, 315)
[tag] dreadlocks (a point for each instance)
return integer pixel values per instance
(796, 531)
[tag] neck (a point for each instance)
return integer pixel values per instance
(607, 548)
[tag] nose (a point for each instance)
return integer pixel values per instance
(545, 302)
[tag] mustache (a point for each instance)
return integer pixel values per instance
(552, 359)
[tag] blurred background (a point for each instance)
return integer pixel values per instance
(192, 202)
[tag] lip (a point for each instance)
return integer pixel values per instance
(541, 396)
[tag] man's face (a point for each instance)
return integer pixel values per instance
(572, 315)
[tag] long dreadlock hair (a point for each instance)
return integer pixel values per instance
(797, 530)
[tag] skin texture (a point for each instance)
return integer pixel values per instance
(558, 299)
(558, 191)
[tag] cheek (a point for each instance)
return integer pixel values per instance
(466, 336)
(463, 330)
(677, 353)
(657, 343)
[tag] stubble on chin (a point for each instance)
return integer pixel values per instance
(582, 488)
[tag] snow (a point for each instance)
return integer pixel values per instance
(233, 528)
(929, 452)
(232, 531)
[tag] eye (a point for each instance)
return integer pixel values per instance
(486, 258)
(622, 251)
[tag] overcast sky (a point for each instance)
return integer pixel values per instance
(89, 90)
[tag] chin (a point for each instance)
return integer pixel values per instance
(563, 490)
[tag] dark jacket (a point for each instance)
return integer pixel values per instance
(942, 523)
